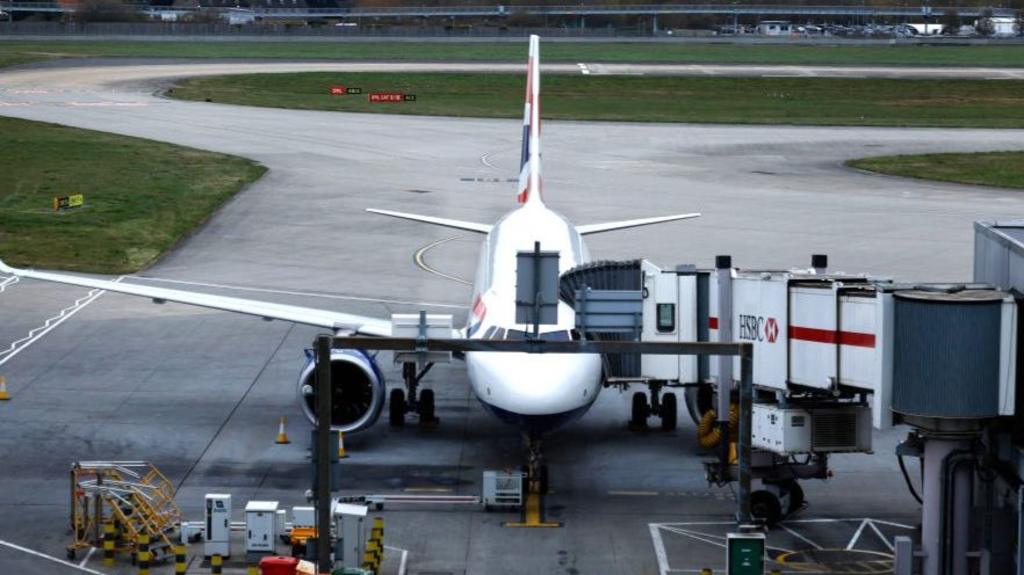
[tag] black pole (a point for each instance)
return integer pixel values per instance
(323, 451)
(746, 429)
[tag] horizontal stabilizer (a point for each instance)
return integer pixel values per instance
(343, 322)
(457, 224)
(623, 224)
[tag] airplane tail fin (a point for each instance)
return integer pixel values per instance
(529, 167)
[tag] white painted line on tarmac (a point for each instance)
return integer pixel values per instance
(87, 557)
(583, 68)
(298, 293)
(800, 537)
(51, 324)
(880, 536)
(659, 548)
(49, 558)
(856, 536)
(403, 563)
(7, 282)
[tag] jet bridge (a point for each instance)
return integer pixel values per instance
(827, 348)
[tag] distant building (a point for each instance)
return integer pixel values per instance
(774, 28)
(1002, 26)
(927, 29)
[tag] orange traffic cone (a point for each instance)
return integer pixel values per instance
(282, 435)
(4, 396)
(341, 446)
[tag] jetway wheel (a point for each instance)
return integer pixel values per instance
(669, 411)
(396, 408)
(796, 495)
(641, 410)
(765, 505)
(426, 406)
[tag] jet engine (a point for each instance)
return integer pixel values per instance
(357, 393)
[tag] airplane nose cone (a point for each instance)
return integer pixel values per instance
(535, 384)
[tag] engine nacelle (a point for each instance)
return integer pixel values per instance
(358, 390)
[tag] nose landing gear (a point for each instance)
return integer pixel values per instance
(536, 489)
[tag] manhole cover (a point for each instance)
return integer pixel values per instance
(837, 561)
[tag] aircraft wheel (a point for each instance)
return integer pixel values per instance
(765, 506)
(669, 411)
(396, 408)
(426, 406)
(640, 411)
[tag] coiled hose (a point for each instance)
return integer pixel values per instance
(708, 433)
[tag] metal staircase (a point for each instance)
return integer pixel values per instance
(132, 495)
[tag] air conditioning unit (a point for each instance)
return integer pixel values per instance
(818, 429)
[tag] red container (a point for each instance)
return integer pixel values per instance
(277, 565)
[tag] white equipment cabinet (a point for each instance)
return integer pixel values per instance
(837, 429)
(217, 540)
(349, 521)
(260, 526)
(502, 489)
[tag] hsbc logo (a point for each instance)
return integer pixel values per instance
(758, 328)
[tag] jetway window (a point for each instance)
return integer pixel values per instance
(666, 317)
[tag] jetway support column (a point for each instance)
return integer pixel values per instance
(939, 483)
(723, 267)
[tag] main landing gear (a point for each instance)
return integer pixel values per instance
(408, 400)
(661, 405)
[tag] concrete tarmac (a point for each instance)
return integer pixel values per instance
(199, 392)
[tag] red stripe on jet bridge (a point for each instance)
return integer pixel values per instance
(853, 338)
(479, 308)
(713, 322)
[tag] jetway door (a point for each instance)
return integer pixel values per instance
(670, 305)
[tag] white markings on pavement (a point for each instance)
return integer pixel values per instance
(403, 563)
(418, 258)
(7, 282)
(298, 293)
(49, 558)
(790, 527)
(87, 557)
(583, 68)
(51, 324)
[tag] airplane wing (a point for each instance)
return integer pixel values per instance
(457, 224)
(309, 316)
(620, 225)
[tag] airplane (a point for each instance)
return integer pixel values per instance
(537, 393)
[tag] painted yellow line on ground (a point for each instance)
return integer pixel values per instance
(418, 258)
(428, 490)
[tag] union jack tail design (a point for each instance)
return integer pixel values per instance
(529, 168)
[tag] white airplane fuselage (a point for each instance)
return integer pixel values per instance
(536, 392)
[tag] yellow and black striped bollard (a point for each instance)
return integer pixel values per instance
(253, 570)
(144, 555)
(370, 556)
(216, 564)
(108, 544)
(180, 558)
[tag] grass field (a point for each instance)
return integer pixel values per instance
(1003, 169)
(818, 101)
(141, 196)
(897, 55)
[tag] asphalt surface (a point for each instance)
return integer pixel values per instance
(199, 392)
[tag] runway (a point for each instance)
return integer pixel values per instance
(199, 392)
